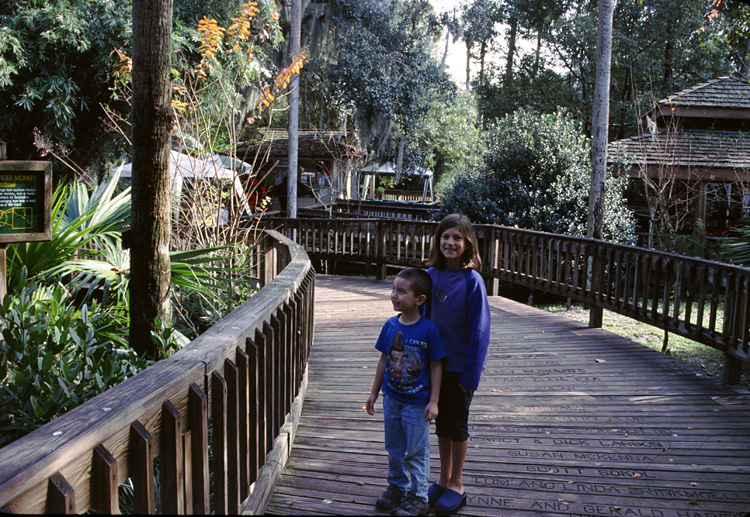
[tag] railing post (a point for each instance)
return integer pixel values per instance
(596, 313)
(380, 264)
(269, 261)
(732, 370)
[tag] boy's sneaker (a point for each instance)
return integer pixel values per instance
(412, 505)
(390, 498)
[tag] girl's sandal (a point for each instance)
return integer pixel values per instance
(434, 492)
(450, 502)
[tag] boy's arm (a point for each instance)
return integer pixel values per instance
(377, 383)
(436, 376)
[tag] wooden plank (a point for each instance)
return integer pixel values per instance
(284, 388)
(263, 437)
(231, 375)
(270, 383)
(187, 469)
(61, 497)
(278, 375)
(198, 425)
(141, 459)
(245, 423)
(219, 418)
(171, 461)
(104, 481)
(567, 420)
(254, 405)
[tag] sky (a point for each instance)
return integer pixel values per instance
(456, 61)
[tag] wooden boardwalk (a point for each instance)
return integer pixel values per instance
(567, 421)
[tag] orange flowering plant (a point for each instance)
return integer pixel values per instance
(224, 85)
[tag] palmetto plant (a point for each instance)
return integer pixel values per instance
(64, 319)
(83, 226)
(86, 248)
(736, 248)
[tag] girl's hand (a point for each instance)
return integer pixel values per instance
(370, 405)
(430, 411)
(465, 390)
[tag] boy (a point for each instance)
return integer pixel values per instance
(409, 372)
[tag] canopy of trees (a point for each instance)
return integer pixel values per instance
(535, 175)
(374, 68)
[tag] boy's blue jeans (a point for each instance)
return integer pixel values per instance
(407, 441)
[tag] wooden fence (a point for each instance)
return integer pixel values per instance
(218, 416)
(355, 209)
(699, 299)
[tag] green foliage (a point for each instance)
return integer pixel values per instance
(167, 338)
(736, 248)
(54, 68)
(385, 74)
(83, 227)
(54, 356)
(199, 309)
(222, 67)
(536, 175)
(65, 317)
(658, 48)
(448, 131)
(735, 20)
(58, 66)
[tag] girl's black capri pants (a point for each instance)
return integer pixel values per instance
(453, 408)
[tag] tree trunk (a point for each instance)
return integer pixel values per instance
(669, 55)
(511, 51)
(468, 65)
(445, 52)
(293, 141)
(151, 199)
(600, 120)
(482, 55)
(400, 159)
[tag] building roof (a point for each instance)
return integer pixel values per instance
(695, 150)
(722, 103)
(311, 143)
(699, 131)
(723, 92)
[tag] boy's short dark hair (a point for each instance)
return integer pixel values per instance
(419, 281)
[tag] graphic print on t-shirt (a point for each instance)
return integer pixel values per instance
(405, 361)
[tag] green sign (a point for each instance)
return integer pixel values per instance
(24, 201)
(21, 203)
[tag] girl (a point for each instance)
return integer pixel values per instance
(460, 310)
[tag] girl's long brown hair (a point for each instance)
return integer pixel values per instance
(470, 258)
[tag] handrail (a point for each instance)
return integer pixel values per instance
(233, 391)
(382, 209)
(675, 293)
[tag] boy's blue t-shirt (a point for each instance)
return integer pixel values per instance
(409, 350)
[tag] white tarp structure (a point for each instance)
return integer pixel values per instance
(389, 169)
(183, 166)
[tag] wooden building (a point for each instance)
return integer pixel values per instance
(693, 161)
(324, 165)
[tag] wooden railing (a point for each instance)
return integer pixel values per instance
(392, 194)
(702, 300)
(354, 209)
(219, 415)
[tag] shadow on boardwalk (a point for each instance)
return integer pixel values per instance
(567, 421)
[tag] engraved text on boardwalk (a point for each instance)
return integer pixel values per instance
(567, 421)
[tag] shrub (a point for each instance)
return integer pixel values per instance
(536, 174)
(54, 356)
(736, 247)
